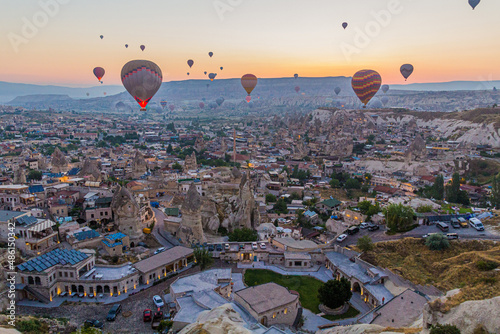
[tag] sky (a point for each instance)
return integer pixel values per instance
(57, 41)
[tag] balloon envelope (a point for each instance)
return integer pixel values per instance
(219, 100)
(210, 54)
(249, 81)
(385, 88)
(101, 36)
(142, 47)
(297, 89)
(163, 103)
(142, 79)
(406, 70)
(187, 73)
(248, 98)
(99, 73)
(295, 75)
(171, 107)
(190, 62)
(384, 100)
(205, 72)
(344, 25)
(212, 76)
(202, 105)
(366, 84)
(221, 68)
(474, 3)
(126, 45)
(337, 90)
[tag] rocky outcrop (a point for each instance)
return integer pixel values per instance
(90, 171)
(191, 227)
(221, 320)
(417, 150)
(243, 209)
(199, 144)
(209, 216)
(355, 329)
(139, 166)
(127, 214)
(190, 162)
(59, 162)
(19, 176)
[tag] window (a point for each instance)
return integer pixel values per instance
(274, 315)
(285, 311)
(70, 274)
(60, 274)
(91, 215)
(65, 274)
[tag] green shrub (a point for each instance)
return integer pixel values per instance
(486, 265)
(437, 242)
(444, 329)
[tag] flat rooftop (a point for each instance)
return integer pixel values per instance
(108, 273)
(265, 297)
(205, 280)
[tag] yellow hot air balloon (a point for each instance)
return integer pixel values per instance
(249, 81)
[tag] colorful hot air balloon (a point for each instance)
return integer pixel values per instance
(212, 76)
(337, 90)
(384, 99)
(366, 84)
(219, 100)
(171, 107)
(163, 103)
(474, 3)
(101, 36)
(344, 25)
(142, 79)
(297, 89)
(385, 88)
(126, 45)
(249, 81)
(142, 47)
(295, 75)
(190, 63)
(99, 73)
(406, 70)
(210, 54)
(202, 105)
(221, 68)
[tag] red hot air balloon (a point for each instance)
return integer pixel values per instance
(142, 79)
(297, 89)
(190, 63)
(249, 81)
(210, 54)
(202, 105)
(171, 107)
(366, 84)
(406, 70)
(142, 47)
(99, 73)
(344, 25)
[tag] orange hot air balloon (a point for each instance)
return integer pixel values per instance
(249, 81)
(142, 79)
(99, 73)
(366, 84)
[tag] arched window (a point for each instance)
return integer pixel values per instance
(30, 280)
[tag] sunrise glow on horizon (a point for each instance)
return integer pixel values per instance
(445, 41)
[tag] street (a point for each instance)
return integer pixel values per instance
(164, 238)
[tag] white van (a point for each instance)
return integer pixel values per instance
(476, 223)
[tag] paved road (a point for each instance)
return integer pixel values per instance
(163, 237)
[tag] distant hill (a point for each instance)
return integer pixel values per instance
(449, 86)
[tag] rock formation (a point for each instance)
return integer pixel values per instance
(59, 162)
(417, 149)
(221, 320)
(190, 162)
(91, 171)
(126, 211)
(236, 175)
(139, 166)
(209, 215)
(191, 228)
(245, 212)
(199, 144)
(19, 176)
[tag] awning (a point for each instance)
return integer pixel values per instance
(43, 225)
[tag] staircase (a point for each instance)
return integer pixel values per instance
(36, 294)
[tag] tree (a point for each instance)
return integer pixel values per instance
(352, 184)
(424, 208)
(280, 207)
(169, 148)
(270, 198)
(437, 242)
(438, 188)
(444, 329)
(203, 257)
(399, 218)
(177, 166)
(453, 189)
(495, 192)
(34, 175)
(334, 183)
(365, 244)
(335, 293)
(243, 235)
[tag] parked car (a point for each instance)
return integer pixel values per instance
(93, 323)
(455, 223)
(218, 248)
(63, 294)
(242, 246)
(364, 225)
(146, 315)
(373, 227)
(158, 301)
(115, 310)
(227, 247)
(254, 246)
(442, 226)
(262, 245)
(159, 250)
(463, 222)
(353, 230)
(211, 248)
(476, 223)
(452, 236)
(341, 237)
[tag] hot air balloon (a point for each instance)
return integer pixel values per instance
(163, 103)
(212, 76)
(474, 3)
(337, 90)
(187, 73)
(99, 73)
(104, 93)
(249, 81)
(406, 70)
(248, 98)
(384, 99)
(210, 54)
(219, 100)
(385, 88)
(297, 89)
(88, 94)
(142, 79)
(366, 84)
(202, 105)
(221, 68)
(344, 25)
(126, 45)
(142, 47)
(375, 103)
(101, 36)
(171, 107)
(205, 72)
(213, 105)
(190, 63)
(295, 75)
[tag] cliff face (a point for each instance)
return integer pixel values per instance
(127, 214)
(191, 228)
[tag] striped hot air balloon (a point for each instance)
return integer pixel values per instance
(142, 79)
(366, 84)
